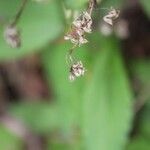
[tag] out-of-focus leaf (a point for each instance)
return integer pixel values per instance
(68, 94)
(40, 117)
(9, 141)
(60, 142)
(144, 121)
(107, 112)
(141, 70)
(112, 3)
(40, 23)
(139, 143)
(75, 4)
(146, 6)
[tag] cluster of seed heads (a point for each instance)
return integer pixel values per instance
(81, 25)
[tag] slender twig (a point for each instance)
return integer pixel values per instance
(69, 55)
(19, 12)
(92, 5)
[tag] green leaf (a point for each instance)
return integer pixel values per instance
(144, 120)
(107, 111)
(40, 117)
(146, 6)
(112, 3)
(139, 143)
(39, 24)
(68, 94)
(8, 141)
(75, 4)
(141, 70)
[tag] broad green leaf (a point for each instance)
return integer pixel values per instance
(146, 6)
(59, 141)
(139, 143)
(9, 141)
(107, 111)
(40, 117)
(113, 3)
(144, 120)
(75, 4)
(68, 94)
(40, 24)
(140, 69)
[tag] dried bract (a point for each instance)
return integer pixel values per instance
(76, 70)
(112, 15)
(84, 22)
(12, 36)
(79, 26)
(76, 36)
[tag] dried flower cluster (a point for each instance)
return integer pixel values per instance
(12, 36)
(76, 70)
(11, 33)
(112, 15)
(80, 26)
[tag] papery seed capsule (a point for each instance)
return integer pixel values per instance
(12, 36)
(112, 15)
(76, 70)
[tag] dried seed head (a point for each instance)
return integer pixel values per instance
(84, 22)
(12, 36)
(112, 15)
(76, 70)
(76, 36)
(79, 26)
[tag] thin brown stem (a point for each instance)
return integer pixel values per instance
(92, 5)
(19, 12)
(70, 52)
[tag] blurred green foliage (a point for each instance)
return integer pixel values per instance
(146, 6)
(39, 24)
(9, 141)
(96, 108)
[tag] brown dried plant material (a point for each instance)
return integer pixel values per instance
(112, 15)
(80, 26)
(12, 36)
(76, 70)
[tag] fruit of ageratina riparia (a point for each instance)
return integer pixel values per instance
(12, 36)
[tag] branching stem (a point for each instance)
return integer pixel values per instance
(92, 5)
(19, 12)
